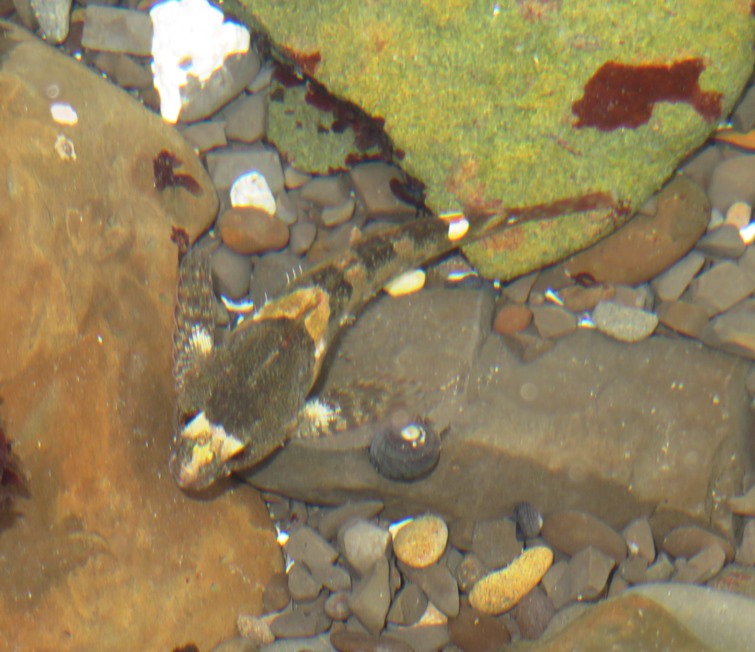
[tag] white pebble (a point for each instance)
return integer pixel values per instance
(407, 283)
(251, 189)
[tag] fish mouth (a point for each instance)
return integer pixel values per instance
(201, 453)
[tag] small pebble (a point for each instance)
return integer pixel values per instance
(702, 567)
(722, 242)
(585, 577)
(500, 590)
(722, 286)
(571, 530)
(634, 569)
(746, 550)
(688, 319)
(255, 629)
(623, 323)
(206, 135)
(495, 543)
(688, 540)
(275, 595)
(305, 545)
(406, 283)
(408, 606)
(639, 539)
(739, 214)
(732, 182)
(421, 542)
(671, 284)
(734, 330)
(743, 505)
(113, 29)
(301, 585)
(469, 570)
(251, 190)
(332, 216)
(661, 570)
(246, 118)
(371, 598)
(438, 584)
(362, 544)
(337, 606)
(581, 299)
(512, 319)
(473, 631)
(553, 321)
(231, 273)
(326, 191)
(251, 231)
(372, 184)
(533, 613)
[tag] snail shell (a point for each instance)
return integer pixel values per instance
(405, 452)
(528, 520)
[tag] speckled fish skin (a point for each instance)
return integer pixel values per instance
(239, 402)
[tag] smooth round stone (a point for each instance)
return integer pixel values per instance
(421, 542)
(362, 544)
(252, 231)
(646, 245)
(624, 323)
(469, 571)
(512, 319)
(533, 613)
(688, 540)
(231, 273)
(275, 595)
(302, 236)
(739, 214)
(473, 631)
(332, 216)
(500, 590)
(732, 182)
(570, 531)
(337, 606)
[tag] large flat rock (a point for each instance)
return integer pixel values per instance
(659, 428)
(106, 553)
(575, 108)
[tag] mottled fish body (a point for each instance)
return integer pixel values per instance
(239, 402)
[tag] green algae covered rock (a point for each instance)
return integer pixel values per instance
(576, 108)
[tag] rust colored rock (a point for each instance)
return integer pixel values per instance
(252, 231)
(512, 319)
(646, 245)
(571, 531)
(87, 285)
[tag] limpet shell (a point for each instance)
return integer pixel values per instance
(405, 452)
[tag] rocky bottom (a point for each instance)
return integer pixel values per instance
(358, 576)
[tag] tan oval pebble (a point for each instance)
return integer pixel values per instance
(500, 590)
(422, 541)
(571, 531)
(512, 319)
(688, 540)
(739, 214)
(252, 231)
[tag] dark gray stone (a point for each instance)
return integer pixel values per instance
(619, 431)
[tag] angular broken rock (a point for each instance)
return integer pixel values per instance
(606, 432)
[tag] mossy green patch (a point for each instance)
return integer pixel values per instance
(479, 96)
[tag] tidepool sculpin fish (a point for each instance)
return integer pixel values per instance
(240, 401)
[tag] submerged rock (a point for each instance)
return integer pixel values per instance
(107, 544)
(484, 108)
(620, 431)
